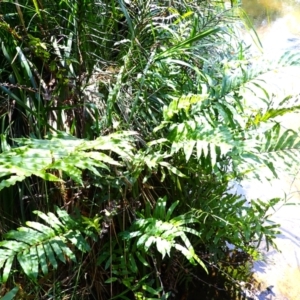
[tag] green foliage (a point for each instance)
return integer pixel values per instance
(11, 294)
(239, 223)
(64, 153)
(38, 246)
(162, 231)
(221, 131)
(155, 111)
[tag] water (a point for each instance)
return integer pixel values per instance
(278, 25)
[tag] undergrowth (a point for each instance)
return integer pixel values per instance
(123, 127)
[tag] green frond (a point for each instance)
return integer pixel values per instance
(209, 144)
(164, 233)
(38, 245)
(279, 150)
(67, 154)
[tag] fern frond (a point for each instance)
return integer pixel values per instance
(277, 149)
(65, 153)
(165, 233)
(39, 245)
(208, 143)
(243, 74)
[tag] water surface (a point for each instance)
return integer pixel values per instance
(278, 26)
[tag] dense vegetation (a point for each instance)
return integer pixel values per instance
(123, 128)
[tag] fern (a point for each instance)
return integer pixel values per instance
(65, 153)
(37, 246)
(278, 150)
(218, 129)
(164, 232)
(244, 72)
(207, 143)
(250, 150)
